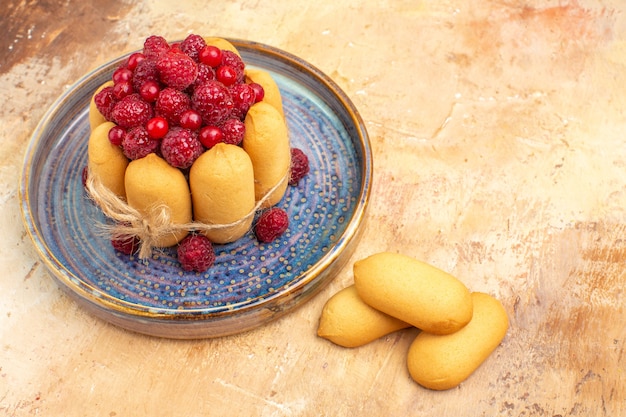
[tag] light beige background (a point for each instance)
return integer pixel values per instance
(497, 130)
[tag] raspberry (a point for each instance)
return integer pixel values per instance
(180, 147)
(195, 253)
(271, 224)
(205, 73)
(105, 100)
(233, 60)
(171, 104)
(192, 45)
(213, 101)
(137, 143)
(243, 97)
(126, 244)
(131, 111)
(154, 46)
(146, 70)
(299, 166)
(233, 131)
(177, 70)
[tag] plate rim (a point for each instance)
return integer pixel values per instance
(137, 310)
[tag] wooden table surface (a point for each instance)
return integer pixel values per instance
(497, 130)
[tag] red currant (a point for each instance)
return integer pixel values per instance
(211, 56)
(116, 135)
(259, 92)
(122, 89)
(210, 136)
(157, 127)
(122, 74)
(226, 75)
(191, 119)
(135, 59)
(149, 91)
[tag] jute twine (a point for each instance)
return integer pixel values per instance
(153, 224)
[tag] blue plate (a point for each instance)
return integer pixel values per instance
(251, 283)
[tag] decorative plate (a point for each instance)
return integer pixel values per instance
(251, 283)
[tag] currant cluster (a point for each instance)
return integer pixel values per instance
(177, 100)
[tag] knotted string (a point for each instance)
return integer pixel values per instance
(153, 224)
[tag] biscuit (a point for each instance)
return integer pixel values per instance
(413, 291)
(347, 321)
(222, 191)
(151, 182)
(441, 362)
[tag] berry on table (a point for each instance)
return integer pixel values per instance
(299, 166)
(271, 224)
(195, 253)
(126, 244)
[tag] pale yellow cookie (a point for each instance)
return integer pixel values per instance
(413, 291)
(105, 160)
(222, 44)
(266, 140)
(441, 362)
(347, 321)
(222, 191)
(152, 182)
(272, 94)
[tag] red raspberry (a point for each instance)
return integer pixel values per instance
(213, 101)
(177, 70)
(105, 101)
(155, 46)
(271, 224)
(192, 45)
(146, 70)
(126, 244)
(137, 143)
(299, 166)
(243, 98)
(171, 104)
(233, 60)
(180, 147)
(131, 111)
(233, 131)
(195, 253)
(205, 73)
